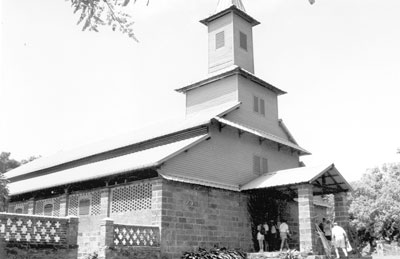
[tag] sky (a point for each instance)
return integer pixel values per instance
(339, 61)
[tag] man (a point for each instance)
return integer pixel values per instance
(339, 239)
(284, 232)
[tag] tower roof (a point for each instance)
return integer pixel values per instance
(225, 4)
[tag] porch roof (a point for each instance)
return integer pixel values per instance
(148, 158)
(325, 180)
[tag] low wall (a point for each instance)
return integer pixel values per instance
(29, 236)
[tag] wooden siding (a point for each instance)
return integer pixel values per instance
(243, 58)
(246, 115)
(227, 158)
(221, 57)
(213, 94)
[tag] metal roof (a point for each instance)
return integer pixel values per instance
(169, 126)
(325, 179)
(148, 158)
(263, 135)
(227, 72)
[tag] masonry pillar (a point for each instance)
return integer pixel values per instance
(106, 237)
(156, 202)
(105, 202)
(31, 206)
(341, 210)
(308, 237)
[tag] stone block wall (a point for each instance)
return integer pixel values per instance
(193, 216)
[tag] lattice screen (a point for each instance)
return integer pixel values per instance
(94, 202)
(41, 203)
(131, 198)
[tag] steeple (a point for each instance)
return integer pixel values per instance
(225, 4)
(230, 37)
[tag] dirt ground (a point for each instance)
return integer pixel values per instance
(385, 256)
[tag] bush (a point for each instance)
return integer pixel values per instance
(215, 253)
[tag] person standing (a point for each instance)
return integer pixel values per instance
(284, 233)
(339, 239)
(328, 230)
(260, 237)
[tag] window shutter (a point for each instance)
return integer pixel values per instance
(48, 209)
(219, 40)
(262, 106)
(264, 165)
(255, 104)
(243, 41)
(256, 165)
(84, 207)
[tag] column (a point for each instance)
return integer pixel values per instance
(106, 237)
(105, 202)
(341, 210)
(31, 206)
(64, 204)
(308, 237)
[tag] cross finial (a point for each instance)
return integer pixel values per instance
(225, 4)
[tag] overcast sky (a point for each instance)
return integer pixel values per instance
(339, 61)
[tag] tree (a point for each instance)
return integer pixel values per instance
(375, 203)
(6, 164)
(95, 13)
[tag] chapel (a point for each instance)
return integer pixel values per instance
(206, 180)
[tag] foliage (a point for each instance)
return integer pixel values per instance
(375, 204)
(215, 253)
(6, 164)
(95, 13)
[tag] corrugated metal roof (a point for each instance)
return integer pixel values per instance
(300, 175)
(152, 131)
(148, 158)
(263, 134)
(226, 72)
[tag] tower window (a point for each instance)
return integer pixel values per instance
(259, 105)
(243, 40)
(260, 165)
(219, 40)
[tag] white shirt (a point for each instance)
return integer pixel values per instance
(284, 228)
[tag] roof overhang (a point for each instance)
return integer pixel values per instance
(230, 71)
(141, 160)
(263, 135)
(324, 179)
(234, 10)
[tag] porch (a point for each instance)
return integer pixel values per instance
(298, 187)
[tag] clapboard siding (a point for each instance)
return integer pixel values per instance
(227, 159)
(213, 94)
(245, 115)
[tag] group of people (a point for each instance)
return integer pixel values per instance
(269, 234)
(336, 235)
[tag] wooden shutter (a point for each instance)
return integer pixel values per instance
(262, 106)
(48, 209)
(256, 165)
(84, 207)
(219, 40)
(243, 41)
(264, 165)
(255, 104)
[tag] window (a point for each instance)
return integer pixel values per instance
(259, 105)
(84, 207)
(260, 165)
(219, 40)
(243, 40)
(18, 210)
(48, 209)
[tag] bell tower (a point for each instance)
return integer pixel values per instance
(230, 37)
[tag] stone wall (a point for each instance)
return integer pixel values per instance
(194, 216)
